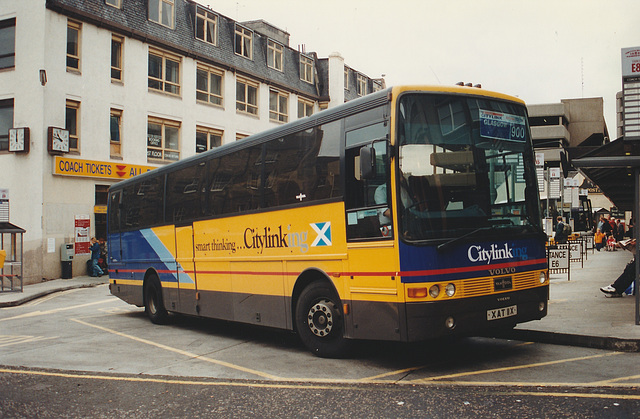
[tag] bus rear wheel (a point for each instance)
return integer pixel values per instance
(153, 303)
(320, 323)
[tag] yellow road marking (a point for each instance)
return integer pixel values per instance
(56, 310)
(581, 395)
(517, 367)
(166, 381)
(181, 352)
(613, 380)
(297, 386)
(391, 373)
(520, 384)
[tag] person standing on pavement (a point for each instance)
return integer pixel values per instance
(599, 239)
(619, 232)
(627, 276)
(606, 227)
(560, 236)
(95, 255)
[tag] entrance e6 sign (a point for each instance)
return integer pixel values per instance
(559, 260)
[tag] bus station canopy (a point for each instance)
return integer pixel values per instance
(611, 167)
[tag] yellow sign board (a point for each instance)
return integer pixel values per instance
(64, 166)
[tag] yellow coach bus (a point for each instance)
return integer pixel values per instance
(408, 214)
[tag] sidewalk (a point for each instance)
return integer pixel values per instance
(41, 289)
(579, 314)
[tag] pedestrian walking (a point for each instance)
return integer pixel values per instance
(95, 256)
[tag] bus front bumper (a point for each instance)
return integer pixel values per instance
(474, 316)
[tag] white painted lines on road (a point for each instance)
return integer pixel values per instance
(57, 310)
(182, 352)
(9, 340)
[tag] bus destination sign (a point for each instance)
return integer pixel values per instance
(502, 126)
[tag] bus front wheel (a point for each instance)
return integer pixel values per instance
(319, 321)
(153, 303)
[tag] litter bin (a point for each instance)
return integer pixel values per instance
(66, 258)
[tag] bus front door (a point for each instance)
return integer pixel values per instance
(186, 275)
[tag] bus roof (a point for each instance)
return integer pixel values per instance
(352, 107)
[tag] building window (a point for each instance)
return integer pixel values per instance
(241, 136)
(8, 43)
(346, 78)
(207, 138)
(161, 11)
(115, 131)
(305, 108)
(377, 86)
(362, 85)
(73, 45)
(114, 3)
(116, 58)
(244, 41)
(163, 139)
(72, 123)
(275, 54)
(209, 85)
(306, 69)
(278, 106)
(247, 96)
(164, 72)
(6, 122)
(206, 26)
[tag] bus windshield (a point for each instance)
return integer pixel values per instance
(464, 164)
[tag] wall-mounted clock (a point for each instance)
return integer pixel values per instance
(58, 141)
(19, 140)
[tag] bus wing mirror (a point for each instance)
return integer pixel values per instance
(367, 162)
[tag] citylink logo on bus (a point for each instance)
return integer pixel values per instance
(495, 252)
(266, 238)
(258, 239)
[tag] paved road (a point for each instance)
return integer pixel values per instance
(114, 356)
(44, 394)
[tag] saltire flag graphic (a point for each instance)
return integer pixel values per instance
(324, 234)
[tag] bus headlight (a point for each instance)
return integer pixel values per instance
(450, 290)
(543, 277)
(434, 291)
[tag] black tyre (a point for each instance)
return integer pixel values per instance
(320, 323)
(153, 303)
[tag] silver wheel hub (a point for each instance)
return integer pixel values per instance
(320, 318)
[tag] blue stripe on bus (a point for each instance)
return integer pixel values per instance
(470, 260)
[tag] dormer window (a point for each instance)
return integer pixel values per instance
(275, 54)
(206, 26)
(162, 12)
(306, 69)
(244, 42)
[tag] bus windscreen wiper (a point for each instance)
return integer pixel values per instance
(446, 245)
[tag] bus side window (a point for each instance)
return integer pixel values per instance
(114, 212)
(367, 200)
(183, 193)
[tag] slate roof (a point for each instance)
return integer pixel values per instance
(131, 21)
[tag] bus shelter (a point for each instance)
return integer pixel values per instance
(610, 173)
(11, 254)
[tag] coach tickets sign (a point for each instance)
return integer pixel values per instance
(64, 166)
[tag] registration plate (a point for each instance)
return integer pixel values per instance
(501, 313)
